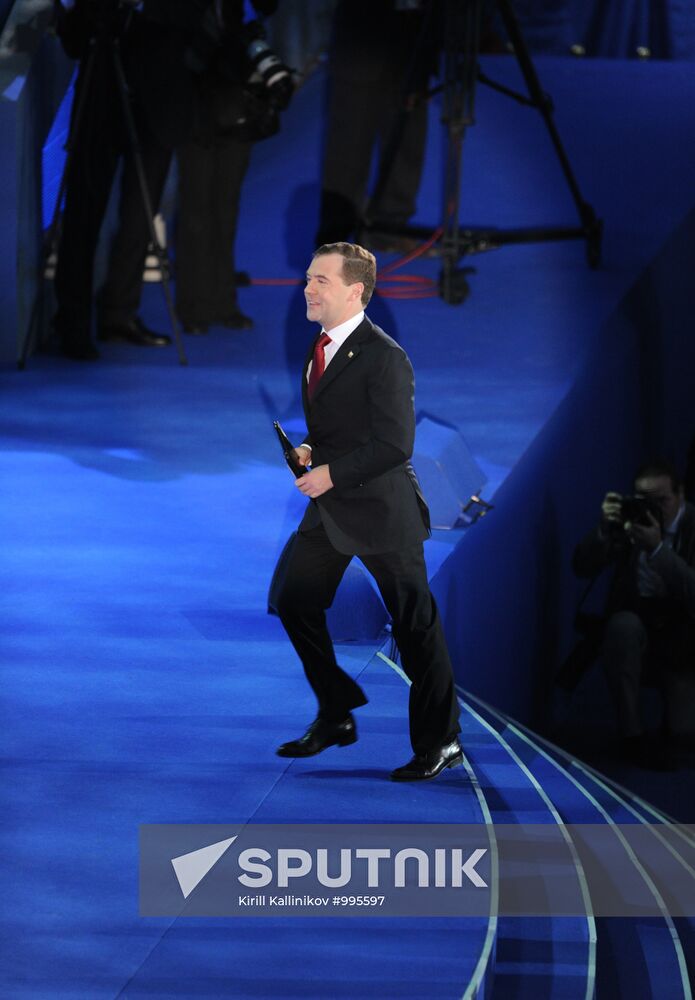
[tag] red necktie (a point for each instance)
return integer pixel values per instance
(318, 364)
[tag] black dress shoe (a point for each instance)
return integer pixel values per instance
(133, 332)
(195, 329)
(236, 320)
(319, 736)
(429, 765)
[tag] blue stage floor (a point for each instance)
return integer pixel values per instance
(144, 506)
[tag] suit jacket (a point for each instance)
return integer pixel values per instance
(361, 423)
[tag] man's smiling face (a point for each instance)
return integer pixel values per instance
(329, 301)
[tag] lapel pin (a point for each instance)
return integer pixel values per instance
(350, 354)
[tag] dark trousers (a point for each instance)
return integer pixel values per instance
(360, 118)
(309, 581)
(366, 92)
(99, 144)
(635, 651)
(210, 180)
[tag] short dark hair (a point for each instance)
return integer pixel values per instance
(358, 265)
(658, 467)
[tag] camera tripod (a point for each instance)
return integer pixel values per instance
(104, 43)
(462, 21)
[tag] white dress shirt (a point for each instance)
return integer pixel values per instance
(339, 334)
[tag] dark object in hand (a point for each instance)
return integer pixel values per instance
(265, 66)
(636, 510)
(288, 451)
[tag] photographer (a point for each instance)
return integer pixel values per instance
(241, 87)
(649, 631)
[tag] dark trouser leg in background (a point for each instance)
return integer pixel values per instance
(434, 710)
(97, 149)
(352, 128)
(399, 200)
(670, 656)
(193, 236)
(311, 577)
(358, 116)
(367, 76)
(624, 648)
(210, 181)
(231, 166)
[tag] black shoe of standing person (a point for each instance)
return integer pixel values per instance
(196, 328)
(133, 331)
(75, 342)
(429, 765)
(236, 320)
(319, 736)
(79, 350)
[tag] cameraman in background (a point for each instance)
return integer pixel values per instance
(241, 88)
(649, 632)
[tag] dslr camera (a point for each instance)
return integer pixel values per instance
(636, 510)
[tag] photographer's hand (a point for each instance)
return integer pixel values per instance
(647, 537)
(611, 511)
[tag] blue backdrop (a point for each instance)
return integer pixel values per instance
(614, 29)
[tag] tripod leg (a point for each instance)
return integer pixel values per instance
(161, 252)
(591, 223)
(461, 39)
(30, 335)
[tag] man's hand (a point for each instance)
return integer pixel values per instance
(313, 484)
(303, 455)
(647, 537)
(611, 509)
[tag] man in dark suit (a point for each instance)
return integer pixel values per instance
(358, 400)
